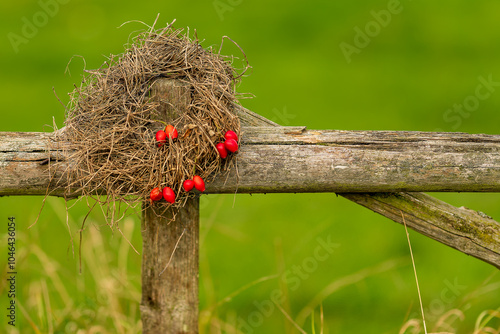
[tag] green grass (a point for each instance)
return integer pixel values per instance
(426, 60)
(105, 297)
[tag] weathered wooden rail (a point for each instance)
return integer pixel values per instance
(385, 171)
(294, 159)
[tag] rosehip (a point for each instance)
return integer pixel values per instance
(188, 185)
(155, 194)
(222, 150)
(199, 183)
(161, 137)
(231, 135)
(171, 132)
(231, 145)
(169, 195)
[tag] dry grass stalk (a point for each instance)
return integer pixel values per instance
(112, 120)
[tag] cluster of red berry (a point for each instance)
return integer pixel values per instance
(167, 193)
(197, 183)
(170, 132)
(230, 144)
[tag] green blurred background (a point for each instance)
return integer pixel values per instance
(415, 67)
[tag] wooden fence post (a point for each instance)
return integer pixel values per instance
(170, 300)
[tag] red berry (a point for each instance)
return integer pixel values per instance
(171, 131)
(199, 183)
(169, 195)
(188, 185)
(222, 150)
(231, 135)
(161, 137)
(155, 194)
(231, 145)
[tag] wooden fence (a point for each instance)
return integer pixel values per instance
(385, 171)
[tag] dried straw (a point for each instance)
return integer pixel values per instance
(112, 120)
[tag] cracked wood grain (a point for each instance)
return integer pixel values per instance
(282, 159)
